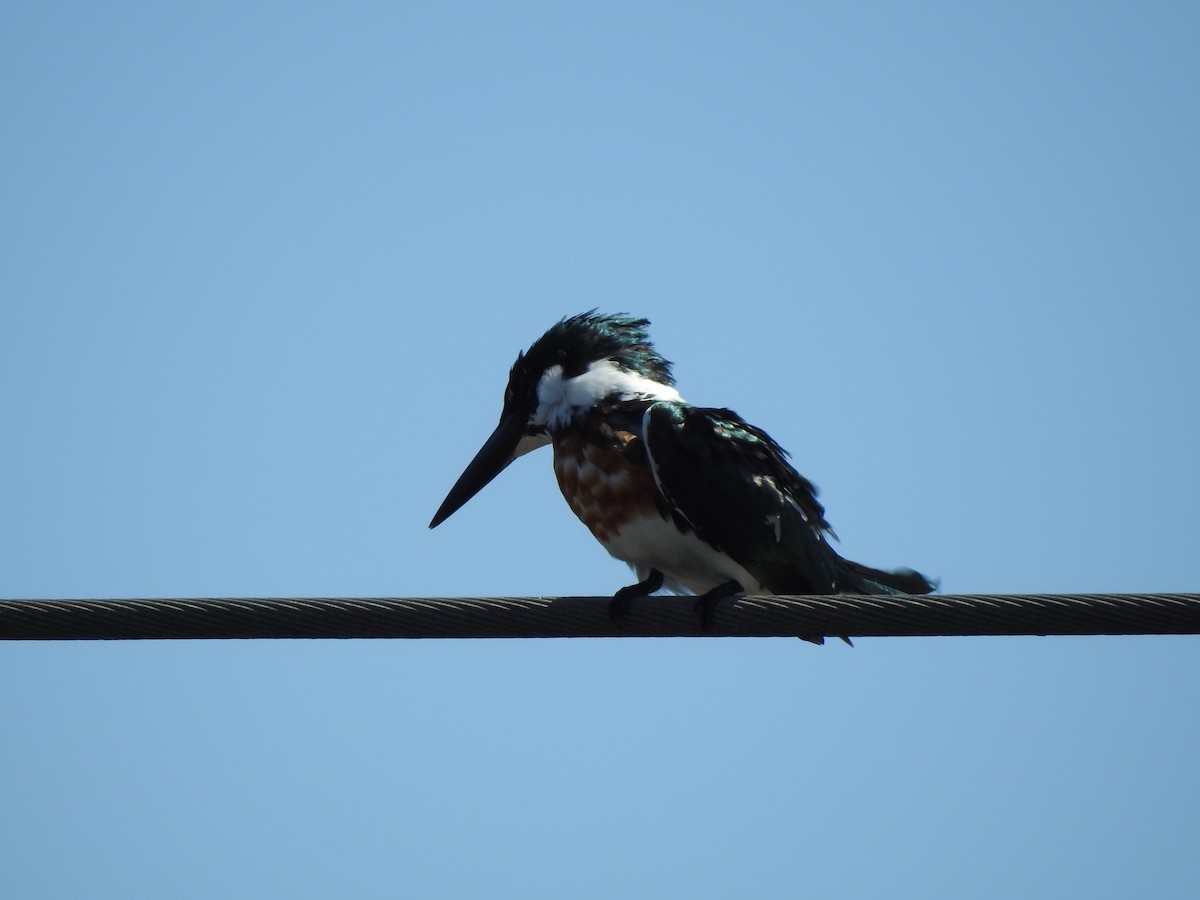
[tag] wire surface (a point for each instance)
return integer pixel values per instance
(529, 617)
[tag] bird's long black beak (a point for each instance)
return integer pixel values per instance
(492, 459)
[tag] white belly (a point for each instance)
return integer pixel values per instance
(689, 564)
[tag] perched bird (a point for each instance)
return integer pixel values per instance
(694, 499)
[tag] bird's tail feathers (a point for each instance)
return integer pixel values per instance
(864, 579)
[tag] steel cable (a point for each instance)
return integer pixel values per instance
(528, 617)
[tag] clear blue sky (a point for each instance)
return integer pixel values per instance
(265, 267)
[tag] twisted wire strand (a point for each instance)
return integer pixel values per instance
(528, 617)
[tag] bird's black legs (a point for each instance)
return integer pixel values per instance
(706, 603)
(618, 606)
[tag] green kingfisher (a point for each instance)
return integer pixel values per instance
(694, 498)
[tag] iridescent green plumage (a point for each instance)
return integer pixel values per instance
(732, 484)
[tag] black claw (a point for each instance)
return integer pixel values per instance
(821, 640)
(618, 606)
(706, 603)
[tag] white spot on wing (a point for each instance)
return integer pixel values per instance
(775, 520)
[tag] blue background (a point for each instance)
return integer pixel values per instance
(265, 267)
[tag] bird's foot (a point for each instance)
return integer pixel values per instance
(618, 606)
(706, 603)
(819, 639)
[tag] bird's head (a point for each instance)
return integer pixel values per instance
(580, 362)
